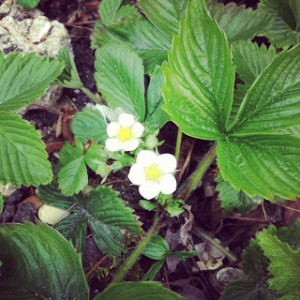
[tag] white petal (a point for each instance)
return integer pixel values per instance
(149, 190)
(130, 146)
(167, 162)
(146, 158)
(168, 184)
(112, 129)
(51, 215)
(136, 174)
(113, 144)
(138, 129)
(126, 120)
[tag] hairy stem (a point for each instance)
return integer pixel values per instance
(91, 95)
(132, 259)
(178, 144)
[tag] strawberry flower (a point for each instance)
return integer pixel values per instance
(154, 174)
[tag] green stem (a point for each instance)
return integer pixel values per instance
(207, 238)
(91, 95)
(178, 144)
(131, 260)
(197, 175)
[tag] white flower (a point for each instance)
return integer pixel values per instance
(51, 214)
(154, 174)
(124, 134)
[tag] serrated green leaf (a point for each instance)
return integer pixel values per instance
(72, 177)
(264, 165)
(238, 22)
(69, 78)
(23, 79)
(233, 199)
(164, 14)
(145, 204)
(108, 10)
(284, 266)
(285, 27)
(38, 263)
(120, 78)
(29, 4)
(89, 124)
(1, 208)
(23, 159)
(245, 289)
(107, 216)
(137, 290)
(272, 102)
(158, 248)
(251, 60)
(199, 78)
(156, 117)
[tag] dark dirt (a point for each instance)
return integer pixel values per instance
(233, 230)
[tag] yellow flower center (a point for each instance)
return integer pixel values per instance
(125, 134)
(153, 172)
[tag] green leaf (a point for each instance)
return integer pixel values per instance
(284, 266)
(69, 78)
(147, 205)
(233, 199)
(272, 102)
(184, 254)
(199, 78)
(164, 14)
(245, 289)
(23, 79)
(89, 124)
(72, 177)
(290, 235)
(108, 10)
(23, 159)
(264, 165)
(29, 4)
(137, 290)
(155, 116)
(285, 27)
(251, 60)
(120, 78)
(107, 216)
(238, 22)
(38, 263)
(158, 248)
(1, 207)
(153, 271)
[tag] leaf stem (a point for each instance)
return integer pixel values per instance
(178, 144)
(91, 95)
(207, 238)
(201, 169)
(131, 260)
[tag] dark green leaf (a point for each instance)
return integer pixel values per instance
(184, 254)
(23, 79)
(199, 78)
(153, 271)
(120, 78)
(158, 248)
(38, 263)
(23, 159)
(137, 290)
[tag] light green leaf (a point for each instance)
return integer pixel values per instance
(155, 116)
(147, 205)
(108, 10)
(107, 216)
(164, 14)
(158, 248)
(199, 78)
(272, 102)
(264, 165)
(284, 266)
(23, 79)
(137, 290)
(238, 22)
(72, 177)
(290, 235)
(23, 159)
(69, 78)
(232, 199)
(89, 124)
(38, 263)
(251, 60)
(285, 27)
(1, 208)
(29, 4)
(120, 78)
